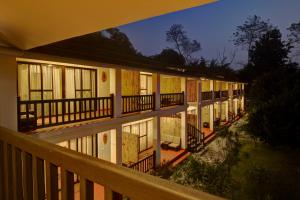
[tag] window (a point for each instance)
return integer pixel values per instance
(144, 131)
(145, 84)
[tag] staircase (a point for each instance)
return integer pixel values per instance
(195, 138)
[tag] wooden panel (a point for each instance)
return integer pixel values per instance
(67, 184)
(2, 188)
(9, 173)
(51, 181)
(18, 174)
(27, 176)
(86, 189)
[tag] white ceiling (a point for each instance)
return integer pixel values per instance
(31, 23)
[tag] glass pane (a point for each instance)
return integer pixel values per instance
(35, 77)
(143, 129)
(126, 129)
(57, 82)
(70, 83)
(143, 81)
(93, 83)
(86, 79)
(135, 129)
(47, 95)
(78, 94)
(47, 77)
(150, 133)
(143, 143)
(23, 81)
(77, 79)
(35, 95)
(149, 86)
(87, 94)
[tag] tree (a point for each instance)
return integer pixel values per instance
(294, 35)
(275, 87)
(182, 44)
(170, 56)
(247, 34)
(269, 53)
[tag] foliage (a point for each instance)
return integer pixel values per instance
(170, 56)
(251, 31)
(294, 35)
(182, 44)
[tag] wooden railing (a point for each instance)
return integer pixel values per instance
(137, 103)
(195, 138)
(217, 94)
(171, 99)
(235, 93)
(34, 169)
(33, 114)
(224, 93)
(207, 96)
(145, 164)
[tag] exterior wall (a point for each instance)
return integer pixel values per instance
(191, 90)
(103, 82)
(129, 147)
(130, 82)
(170, 126)
(8, 88)
(205, 85)
(170, 84)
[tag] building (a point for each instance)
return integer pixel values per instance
(138, 117)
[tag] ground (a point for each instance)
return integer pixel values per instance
(237, 166)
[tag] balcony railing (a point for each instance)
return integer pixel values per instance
(195, 138)
(224, 93)
(31, 168)
(235, 93)
(217, 94)
(145, 164)
(137, 103)
(206, 96)
(33, 114)
(171, 99)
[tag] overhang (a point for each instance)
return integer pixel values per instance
(32, 23)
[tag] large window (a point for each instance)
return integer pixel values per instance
(144, 131)
(145, 84)
(45, 81)
(39, 81)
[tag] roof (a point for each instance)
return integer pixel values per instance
(28, 24)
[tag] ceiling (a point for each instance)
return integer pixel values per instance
(31, 23)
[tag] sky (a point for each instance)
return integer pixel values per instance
(213, 25)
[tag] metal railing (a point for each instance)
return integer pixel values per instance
(171, 99)
(137, 103)
(31, 168)
(33, 114)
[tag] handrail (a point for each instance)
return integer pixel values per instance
(207, 95)
(195, 138)
(22, 161)
(137, 103)
(33, 114)
(171, 99)
(145, 164)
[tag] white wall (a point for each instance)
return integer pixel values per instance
(8, 92)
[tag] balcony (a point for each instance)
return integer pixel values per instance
(217, 94)
(171, 99)
(35, 169)
(137, 103)
(235, 93)
(33, 114)
(206, 96)
(224, 94)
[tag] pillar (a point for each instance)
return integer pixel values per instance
(116, 89)
(8, 88)
(156, 139)
(116, 145)
(199, 104)
(211, 116)
(156, 89)
(183, 117)
(184, 88)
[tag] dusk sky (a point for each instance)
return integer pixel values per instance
(212, 25)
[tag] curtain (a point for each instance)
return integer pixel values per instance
(70, 83)
(35, 82)
(23, 86)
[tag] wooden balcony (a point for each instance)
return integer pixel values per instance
(171, 99)
(217, 94)
(145, 164)
(207, 96)
(137, 103)
(224, 94)
(195, 138)
(31, 168)
(235, 93)
(35, 114)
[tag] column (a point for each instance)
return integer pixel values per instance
(226, 111)
(184, 89)
(183, 117)
(156, 89)
(116, 145)
(199, 104)
(116, 89)
(211, 116)
(8, 88)
(156, 139)
(220, 101)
